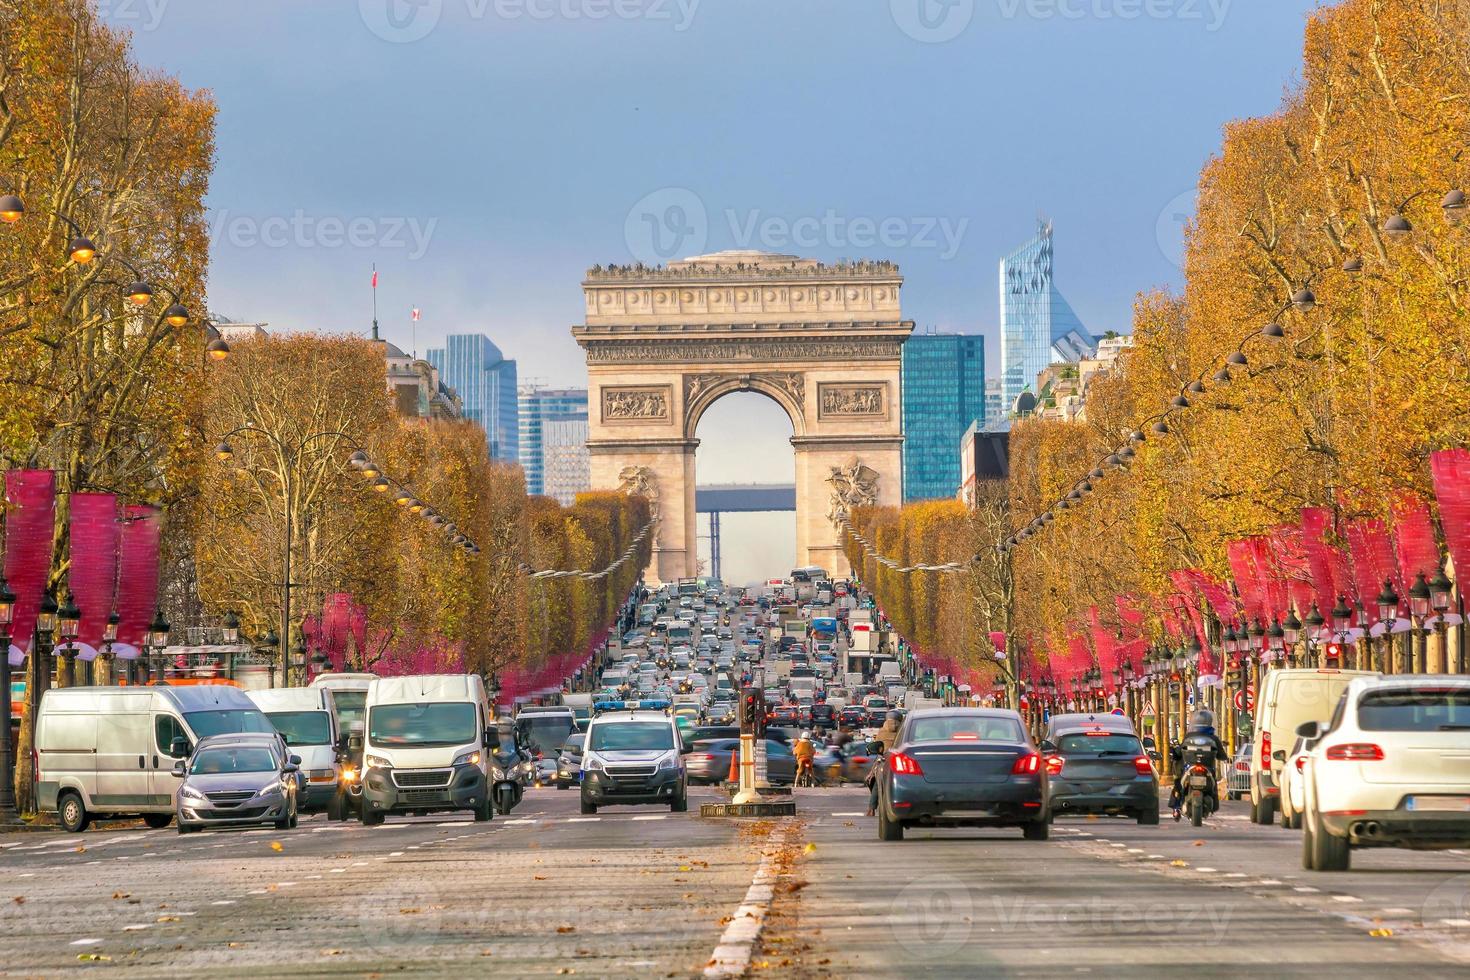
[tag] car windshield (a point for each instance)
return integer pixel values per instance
(423, 725)
(214, 762)
(1099, 743)
(631, 736)
(302, 727)
(231, 721)
(950, 728)
(1415, 709)
(573, 744)
(544, 732)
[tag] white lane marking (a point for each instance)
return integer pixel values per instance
(651, 816)
(451, 823)
(1235, 874)
(1455, 922)
(1304, 888)
(395, 854)
(515, 823)
(583, 819)
(1398, 911)
(224, 901)
(337, 871)
(1268, 881)
(1346, 898)
(1156, 857)
(1135, 850)
(85, 942)
(731, 957)
(1208, 871)
(6, 847)
(850, 813)
(28, 874)
(137, 928)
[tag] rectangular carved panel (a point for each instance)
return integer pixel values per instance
(636, 403)
(864, 400)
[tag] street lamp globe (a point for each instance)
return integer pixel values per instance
(69, 618)
(1419, 598)
(1232, 645)
(1388, 603)
(217, 349)
(1276, 637)
(139, 293)
(46, 617)
(12, 209)
(1314, 622)
(158, 630)
(1292, 628)
(177, 315)
(1439, 592)
(380, 485)
(231, 628)
(82, 250)
(1342, 615)
(7, 604)
(223, 452)
(1304, 300)
(1397, 227)
(1453, 205)
(109, 632)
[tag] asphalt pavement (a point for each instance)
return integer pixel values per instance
(641, 892)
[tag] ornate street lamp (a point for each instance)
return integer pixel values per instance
(1292, 629)
(46, 618)
(157, 640)
(1397, 228)
(1439, 592)
(12, 209)
(7, 616)
(1453, 206)
(231, 630)
(1388, 603)
(1342, 616)
(1304, 300)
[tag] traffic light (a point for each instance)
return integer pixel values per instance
(749, 709)
(1333, 651)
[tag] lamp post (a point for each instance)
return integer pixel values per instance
(7, 760)
(157, 643)
(69, 618)
(1388, 614)
(1419, 611)
(1440, 590)
(1314, 623)
(1291, 631)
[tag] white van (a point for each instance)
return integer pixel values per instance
(349, 695)
(1290, 696)
(425, 747)
(102, 751)
(306, 717)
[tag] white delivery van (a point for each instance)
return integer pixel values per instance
(103, 751)
(349, 695)
(306, 717)
(1290, 696)
(889, 672)
(425, 748)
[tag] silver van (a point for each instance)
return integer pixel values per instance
(102, 751)
(306, 717)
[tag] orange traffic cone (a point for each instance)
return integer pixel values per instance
(735, 767)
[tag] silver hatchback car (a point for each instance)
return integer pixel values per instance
(237, 779)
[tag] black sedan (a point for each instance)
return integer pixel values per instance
(963, 767)
(1095, 770)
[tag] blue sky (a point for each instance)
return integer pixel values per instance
(487, 163)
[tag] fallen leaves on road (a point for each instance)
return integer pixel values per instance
(565, 970)
(19, 900)
(81, 849)
(1199, 843)
(234, 945)
(276, 846)
(1178, 864)
(810, 848)
(1380, 933)
(120, 895)
(408, 911)
(94, 957)
(684, 867)
(538, 877)
(848, 823)
(563, 930)
(168, 918)
(331, 952)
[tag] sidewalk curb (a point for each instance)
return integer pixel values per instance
(731, 957)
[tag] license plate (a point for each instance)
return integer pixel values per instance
(1198, 781)
(1454, 804)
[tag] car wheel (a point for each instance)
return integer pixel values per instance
(1037, 830)
(72, 812)
(371, 818)
(888, 829)
(283, 824)
(1309, 855)
(186, 829)
(1255, 812)
(680, 804)
(335, 806)
(485, 810)
(588, 807)
(295, 819)
(1149, 817)
(1330, 852)
(157, 821)
(1296, 822)
(1265, 814)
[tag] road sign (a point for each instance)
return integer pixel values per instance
(1245, 699)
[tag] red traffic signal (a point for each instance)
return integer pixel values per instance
(1333, 651)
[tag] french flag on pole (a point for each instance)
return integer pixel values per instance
(375, 278)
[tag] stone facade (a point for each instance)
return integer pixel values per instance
(822, 341)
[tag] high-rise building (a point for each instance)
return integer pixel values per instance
(566, 466)
(549, 418)
(995, 407)
(943, 393)
(486, 383)
(1037, 325)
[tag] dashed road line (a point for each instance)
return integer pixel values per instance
(731, 957)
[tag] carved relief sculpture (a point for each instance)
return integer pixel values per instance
(853, 485)
(635, 404)
(851, 401)
(640, 480)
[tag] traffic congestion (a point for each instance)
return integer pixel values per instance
(808, 672)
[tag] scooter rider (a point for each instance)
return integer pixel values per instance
(1201, 746)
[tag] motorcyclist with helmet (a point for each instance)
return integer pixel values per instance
(805, 752)
(888, 736)
(1201, 746)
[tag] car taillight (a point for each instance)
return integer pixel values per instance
(1198, 771)
(1054, 764)
(1301, 760)
(902, 764)
(1144, 765)
(1266, 750)
(705, 758)
(1026, 764)
(1355, 752)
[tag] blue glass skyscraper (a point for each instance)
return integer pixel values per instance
(539, 408)
(486, 382)
(1037, 325)
(943, 392)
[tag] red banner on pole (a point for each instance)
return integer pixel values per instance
(93, 575)
(1415, 545)
(137, 584)
(1329, 565)
(1451, 471)
(30, 517)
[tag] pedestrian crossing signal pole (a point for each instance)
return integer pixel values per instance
(751, 719)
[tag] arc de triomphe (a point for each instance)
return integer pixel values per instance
(822, 341)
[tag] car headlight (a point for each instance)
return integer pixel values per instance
(497, 773)
(590, 763)
(190, 793)
(349, 773)
(468, 759)
(377, 761)
(270, 789)
(669, 762)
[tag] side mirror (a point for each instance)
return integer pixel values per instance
(1279, 755)
(291, 767)
(354, 742)
(294, 760)
(179, 746)
(1310, 730)
(1047, 745)
(179, 769)
(875, 748)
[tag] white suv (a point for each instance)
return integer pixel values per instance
(631, 756)
(1391, 769)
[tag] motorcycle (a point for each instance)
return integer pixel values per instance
(348, 803)
(1198, 797)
